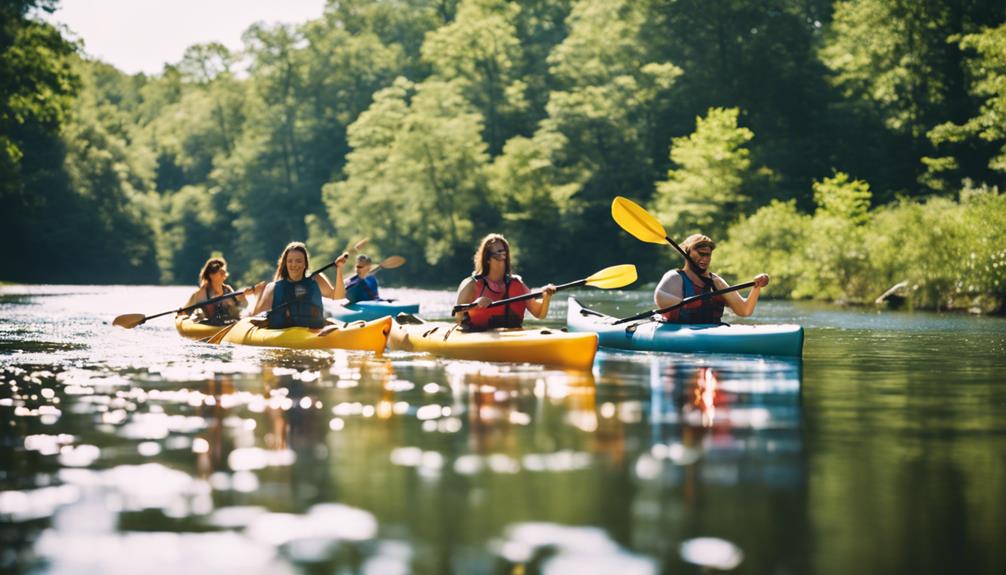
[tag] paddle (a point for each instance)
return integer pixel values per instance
(637, 221)
(684, 302)
(349, 251)
(131, 320)
(608, 278)
(389, 263)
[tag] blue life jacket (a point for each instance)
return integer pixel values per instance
(702, 311)
(361, 290)
(296, 304)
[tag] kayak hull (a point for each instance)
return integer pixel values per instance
(368, 310)
(190, 329)
(545, 346)
(364, 336)
(649, 335)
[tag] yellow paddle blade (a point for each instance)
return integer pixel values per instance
(360, 244)
(637, 221)
(391, 262)
(129, 320)
(613, 277)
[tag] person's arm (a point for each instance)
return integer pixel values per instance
(466, 295)
(240, 301)
(264, 303)
(669, 291)
(539, 307)
(740, 305)
(193, 300)
(337, 289)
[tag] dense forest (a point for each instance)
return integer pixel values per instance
(841, 146)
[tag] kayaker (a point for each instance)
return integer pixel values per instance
(293, 298)
(493, 280)
(689, 281)
(211, 285)
(361, 286)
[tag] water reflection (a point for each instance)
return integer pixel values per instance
(340, 460)
(135, 449)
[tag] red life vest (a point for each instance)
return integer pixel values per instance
(509, 315)
(700, 311)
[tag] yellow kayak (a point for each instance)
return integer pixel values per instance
(194, 330)
(366, 336)
(546, 346)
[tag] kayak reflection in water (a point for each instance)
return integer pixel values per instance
(211, 285)
(493, 280)
(695, 279)
(361, 286)
(293, 298)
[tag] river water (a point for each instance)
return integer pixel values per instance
(123, 451)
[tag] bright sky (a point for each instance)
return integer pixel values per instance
(143, 35)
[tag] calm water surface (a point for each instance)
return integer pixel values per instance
(124, 451)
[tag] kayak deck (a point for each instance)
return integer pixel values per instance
(652, 335)
(368, 310)
(364, 336)
(546, 346)
(191, 329)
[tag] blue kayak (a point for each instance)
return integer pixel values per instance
(651, 335)
(368, 310)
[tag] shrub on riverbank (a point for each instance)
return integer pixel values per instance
(952, 254)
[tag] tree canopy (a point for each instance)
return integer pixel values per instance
(425, 124)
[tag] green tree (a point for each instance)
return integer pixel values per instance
(416, 176)
(772, 240)
(608, 91)
(37, 87)
(306, 86)
(480, 50)
(896, 58)
(836, 264)
(704, 190)
(982, 135)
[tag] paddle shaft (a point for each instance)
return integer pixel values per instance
(328, 265)
(529, 295)
(685, 302)
(200, 304)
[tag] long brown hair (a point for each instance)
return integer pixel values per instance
(211, 267)
(481, 258)
(281, 271)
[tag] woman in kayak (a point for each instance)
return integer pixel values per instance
(694, 280)
(361, 286)
(211, 285)
(493, 280)
(293, 298)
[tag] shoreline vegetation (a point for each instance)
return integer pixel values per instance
(844, 147)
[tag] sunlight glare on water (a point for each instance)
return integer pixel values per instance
(138, 450)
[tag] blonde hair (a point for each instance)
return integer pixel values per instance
(281, 271)
(481, 259)
(696, 241)
(211, 267)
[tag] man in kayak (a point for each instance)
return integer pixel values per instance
(694, 280)
(361, 286)
(293, 298)
(211, 285)
(493, 280)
